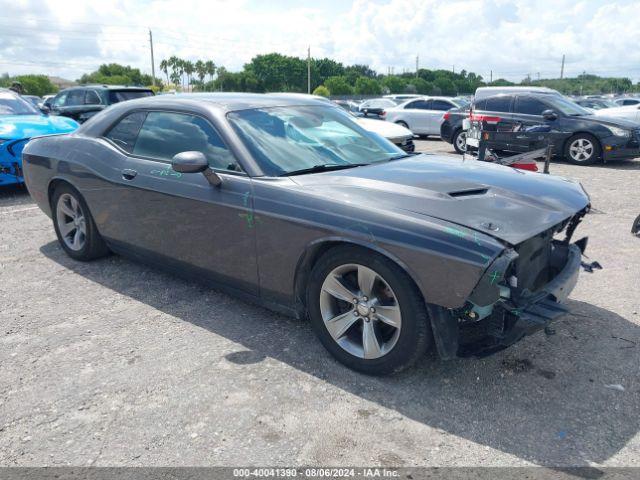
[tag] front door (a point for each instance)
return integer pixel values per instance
(181, 219)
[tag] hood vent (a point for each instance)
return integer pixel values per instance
(469, 193)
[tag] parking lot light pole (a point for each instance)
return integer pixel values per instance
(309, 70)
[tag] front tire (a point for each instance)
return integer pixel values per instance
(367, 312)
(460, 141)
(74, 225)
(582, 149)
(403, 124)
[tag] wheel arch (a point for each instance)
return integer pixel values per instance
(319, 247)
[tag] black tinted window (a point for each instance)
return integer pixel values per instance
(165, 134)
(125, 132)
(497, 104)
(441, 105)
(92, 98)
(420, 104)
(529, 106)
(75, 97)
(116, 96)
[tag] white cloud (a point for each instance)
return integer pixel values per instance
(512, 38)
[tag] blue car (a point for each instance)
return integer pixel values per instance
(20, 120)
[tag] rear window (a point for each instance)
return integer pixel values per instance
(116, 96)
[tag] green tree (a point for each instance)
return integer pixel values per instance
(322, 91)
(338, 86)
(394, 83)
(367, 86)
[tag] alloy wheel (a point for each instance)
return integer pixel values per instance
(71, 222)
(360, 311)
(461, 141)
(581, 149)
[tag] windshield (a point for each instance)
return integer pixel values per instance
(288, 139)
(11, 104)
(566, 106)
(116, 96)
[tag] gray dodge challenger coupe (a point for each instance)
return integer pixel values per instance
(289, 203)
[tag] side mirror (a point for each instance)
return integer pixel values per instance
(45, 109)
(549, 115)
(189, 162)
(194, 162)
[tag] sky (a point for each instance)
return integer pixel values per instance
(509, 38)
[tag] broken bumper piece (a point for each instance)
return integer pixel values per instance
(511, 313)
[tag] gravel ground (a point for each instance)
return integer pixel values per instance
(113, 363)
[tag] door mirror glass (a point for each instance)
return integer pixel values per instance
(549, 115)
(189, 162)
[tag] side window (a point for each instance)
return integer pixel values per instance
(91, 97)
(441, 105)
(60, 99)
(498, 104)
(75, 97)
(419, 104)
(165, 134)
(125, 132)
(530, 106)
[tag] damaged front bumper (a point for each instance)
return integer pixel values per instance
(520, 293)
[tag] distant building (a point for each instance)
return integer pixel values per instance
(62, 82)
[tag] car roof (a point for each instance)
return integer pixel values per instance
(107, 87)
(484, 92)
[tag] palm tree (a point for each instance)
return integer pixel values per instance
(188, 69)
(164, 67)
(174, 63)
(201, 72)
(211, 69)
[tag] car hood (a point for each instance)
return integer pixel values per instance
(385, 129)
(613, 121)
(13, 127)
(506, 203)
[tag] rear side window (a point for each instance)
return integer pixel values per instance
(497, 104)
(116, 96)
(529, 106)
(441, 105)
(419, 104)
(91, 97)
(164, 134)
(125, 132)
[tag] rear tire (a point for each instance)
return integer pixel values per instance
(459, 141)
(74, 225)
(385, 330)
(582, 149)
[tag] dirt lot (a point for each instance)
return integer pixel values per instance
(113, 363)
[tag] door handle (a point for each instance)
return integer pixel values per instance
(129, 174)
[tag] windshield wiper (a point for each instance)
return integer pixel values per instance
(323, 167)
(398, 157)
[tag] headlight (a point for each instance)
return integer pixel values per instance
(619, 132)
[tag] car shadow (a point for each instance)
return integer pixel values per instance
(552, 400)
(13, 195)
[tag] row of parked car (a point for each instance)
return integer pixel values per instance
(580, 134)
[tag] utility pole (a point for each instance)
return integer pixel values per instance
(562, 68)
(309, 70)
(538, 75)
(491, 76)
(417, 64)
(153, 65)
